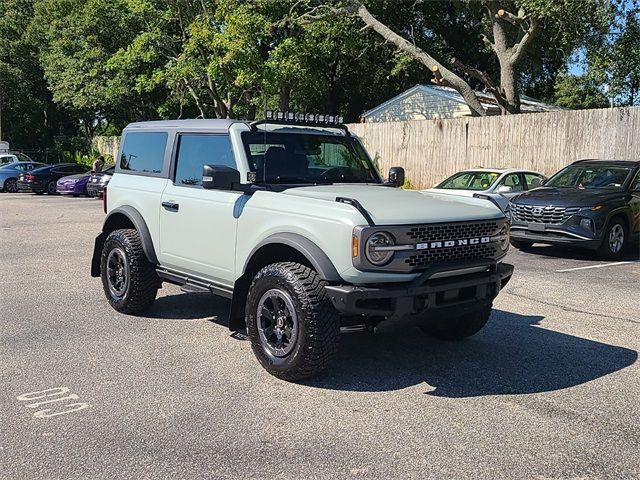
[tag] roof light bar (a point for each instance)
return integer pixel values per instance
(299, 117)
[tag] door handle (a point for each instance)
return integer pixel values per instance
(171, 206)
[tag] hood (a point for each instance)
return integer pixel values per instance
(567, 197)
(447, 191)
(395, 206)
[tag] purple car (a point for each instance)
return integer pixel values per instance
(73, 184)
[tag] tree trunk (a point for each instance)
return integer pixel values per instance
(285, 98)
(423, 57)
(509, 84)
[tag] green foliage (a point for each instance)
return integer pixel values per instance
(70, 69)
(579, 92)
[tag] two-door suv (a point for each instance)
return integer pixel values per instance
(289, 219)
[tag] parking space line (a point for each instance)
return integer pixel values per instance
(600, 265)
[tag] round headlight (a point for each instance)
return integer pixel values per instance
(375, 248)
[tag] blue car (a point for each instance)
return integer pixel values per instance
(10, 172)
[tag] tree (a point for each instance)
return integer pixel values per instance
(508, 36)
(30, 119)
(579, 92)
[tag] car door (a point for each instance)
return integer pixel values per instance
(197, 225)
(512, 180)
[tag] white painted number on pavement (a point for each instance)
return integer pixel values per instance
(57, 398)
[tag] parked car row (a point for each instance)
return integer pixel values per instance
(62, 178)
(593, 204)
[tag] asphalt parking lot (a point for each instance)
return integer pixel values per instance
(550, 389)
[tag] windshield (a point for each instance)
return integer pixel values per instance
(469, 181)
(590, 176)
(303, 158)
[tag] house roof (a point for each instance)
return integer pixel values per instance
(527, 104)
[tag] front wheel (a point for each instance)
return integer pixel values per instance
(458, 328)
(129, 280)
(293, 327)
(51, 188)
(613, 240)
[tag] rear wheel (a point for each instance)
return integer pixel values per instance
(293, 327)
(10, 185)
(521, 244)
(129, 280)
(614, 239)
(458, 328)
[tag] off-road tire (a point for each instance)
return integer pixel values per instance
(318, 324)
(521, 244)
(605, 250)
(458, 328)
(143, 282)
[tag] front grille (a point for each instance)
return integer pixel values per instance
(446, 232)
(542, 214)
(427, 258)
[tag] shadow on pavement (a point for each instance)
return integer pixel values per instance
(573, 253)
(190, 306)
(512, 355)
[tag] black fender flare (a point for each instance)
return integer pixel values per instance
(308, 249)
(135, 217)
(312, 252)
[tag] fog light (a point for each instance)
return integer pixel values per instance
(587, 224)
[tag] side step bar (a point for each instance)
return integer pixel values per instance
(194, 285)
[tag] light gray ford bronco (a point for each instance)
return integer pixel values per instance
(288, 218)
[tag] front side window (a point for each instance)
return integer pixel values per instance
(512, 180)
(533, 180)
(590, 177)
(143, 152)
(303, 158)
(470, 181)
(195, 151)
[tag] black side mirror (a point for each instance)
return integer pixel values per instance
(396, 177)
(220, 177)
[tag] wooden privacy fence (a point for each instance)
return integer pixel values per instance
(431, 151)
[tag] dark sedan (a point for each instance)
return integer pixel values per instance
(590, 203)
(44, 179)
(99, 180)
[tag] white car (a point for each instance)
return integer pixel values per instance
(499, 184)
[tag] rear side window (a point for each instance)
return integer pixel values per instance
(195, 151)
(143, 152)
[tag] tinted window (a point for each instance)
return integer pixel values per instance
(143, 152)
(470, 181)
(300, 158)
(590, 176)
(533, 180)
(512, 180)
(194, 151)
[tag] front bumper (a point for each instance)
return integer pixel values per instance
(23, 186)
(426, 296)
(95, 189)
(553, 236)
